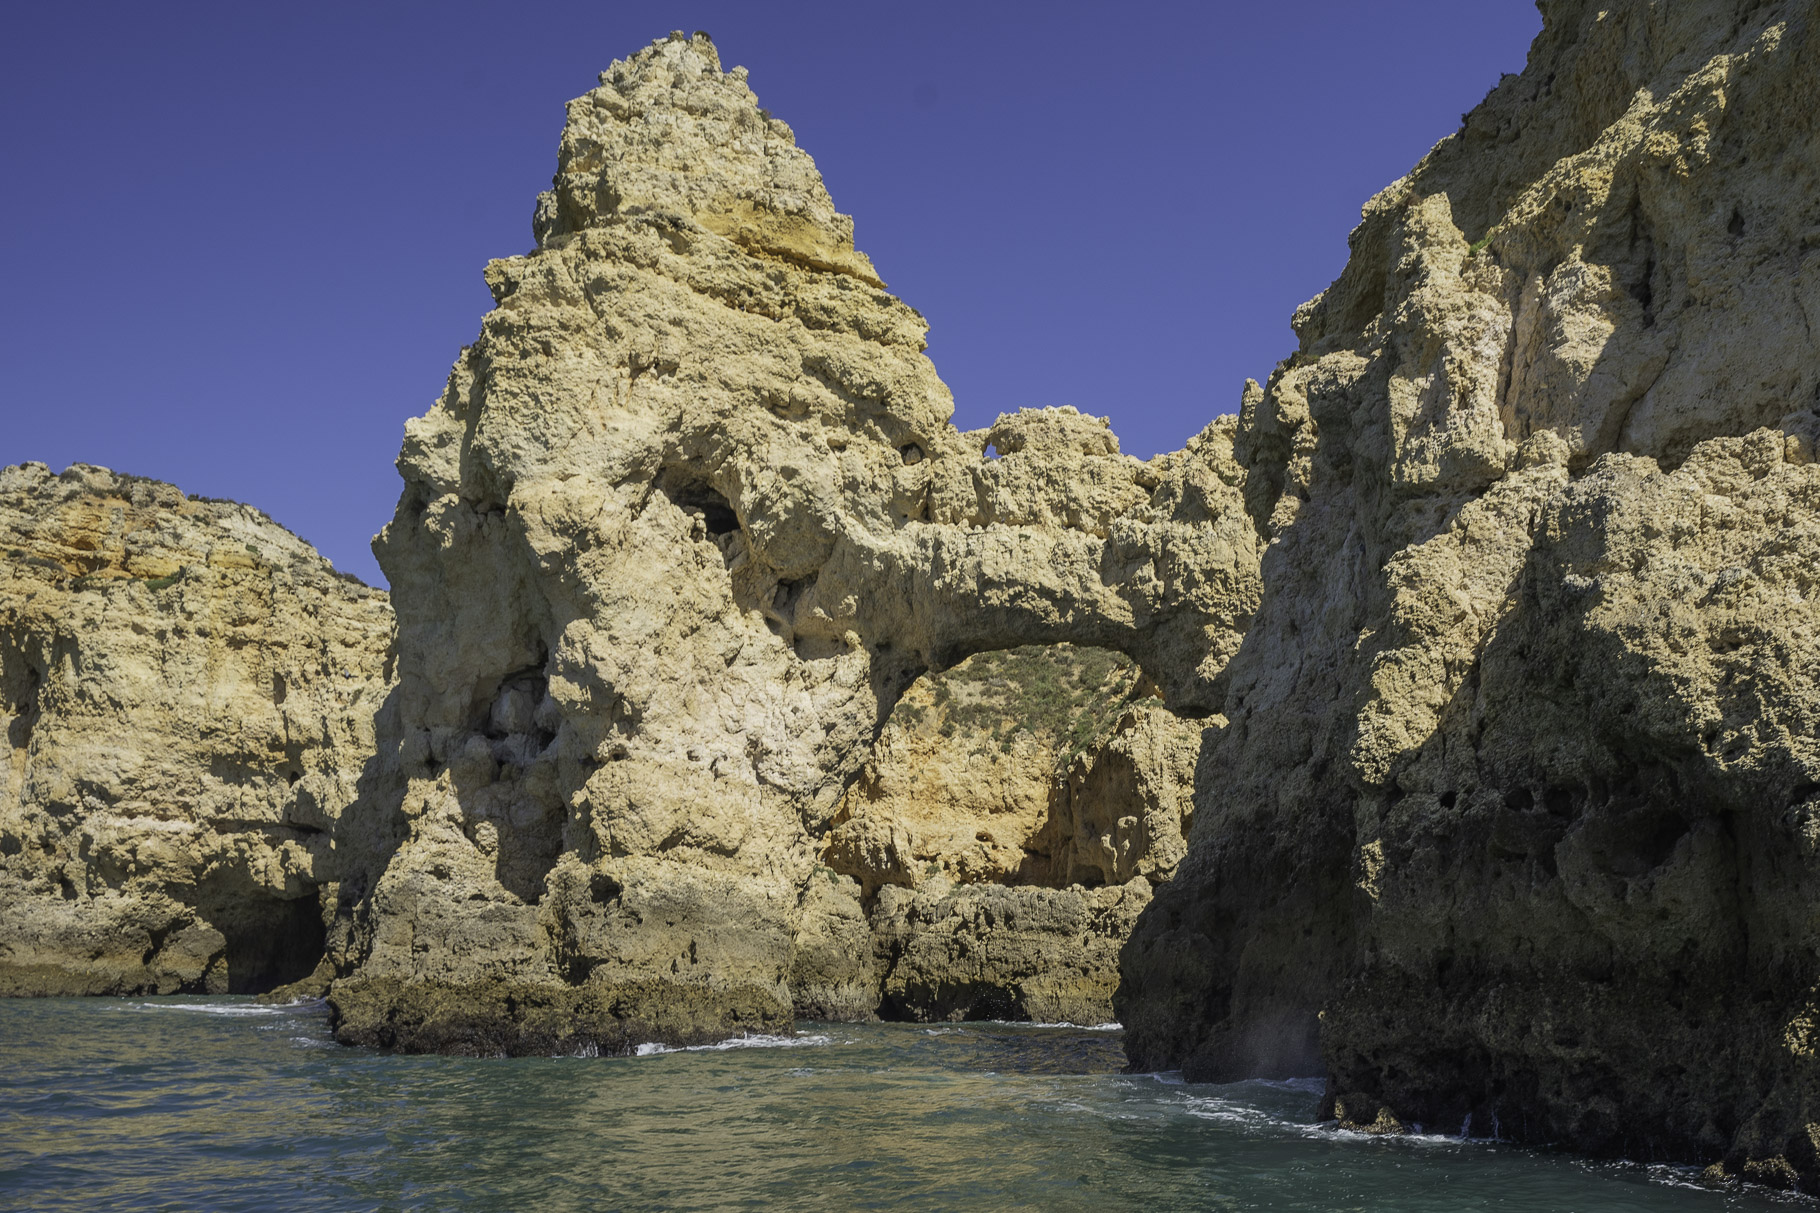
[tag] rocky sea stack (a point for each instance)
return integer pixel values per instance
(688, 523)
(1446, 722)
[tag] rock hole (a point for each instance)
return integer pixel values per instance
(911, 452)
(1644, 292)
(271, 943)
(1519, 800)
(1449, 799)
(511, 710)
(1736, 226)
(279, 690)
(988, 1003)
(1656, 837)
(788, 595)
(24, 683)
(701, 499)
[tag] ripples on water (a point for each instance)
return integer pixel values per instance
(223, 1104)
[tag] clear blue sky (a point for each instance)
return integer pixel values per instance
(243, 241)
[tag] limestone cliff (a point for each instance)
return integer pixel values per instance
(1518, 790)
(689, 519)
(733, 682)
(187, 693)
(1006, 832)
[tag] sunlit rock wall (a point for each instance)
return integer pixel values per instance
(187, 693)
(689, 518)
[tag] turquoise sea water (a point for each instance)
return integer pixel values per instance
(222, 1104)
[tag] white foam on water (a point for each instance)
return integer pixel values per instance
(1308, 1086)
(232, 1009)
(1077, 1027)
(653, 1049)
(1226, 1111)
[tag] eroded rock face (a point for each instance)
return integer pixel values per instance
(1504, 809)
(1003, 837)
(689, 519)
(1523, 747)
(187, 693)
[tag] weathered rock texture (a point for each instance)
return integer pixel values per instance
(734, 681)
(1005, 834)
(689, 519)
(187, 694)
(1519, 788)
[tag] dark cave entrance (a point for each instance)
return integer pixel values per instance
(272, 943)
(700, 498)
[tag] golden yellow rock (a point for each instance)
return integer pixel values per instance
(187, 693)
(689, 519)
(1008, 827)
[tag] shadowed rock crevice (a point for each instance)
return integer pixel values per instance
(269, 944)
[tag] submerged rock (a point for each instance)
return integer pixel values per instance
(187, 693)
(688, 521)
(1511, 818)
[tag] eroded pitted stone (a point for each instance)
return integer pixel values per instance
(187, 693)
(689, 518)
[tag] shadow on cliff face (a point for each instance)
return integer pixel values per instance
(1402, 826)
(523, 828)
(19, 699)
(367, 835)
(1587, 909)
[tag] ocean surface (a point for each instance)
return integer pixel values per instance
(192, 1103)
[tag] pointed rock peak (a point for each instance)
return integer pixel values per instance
(669, 137)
